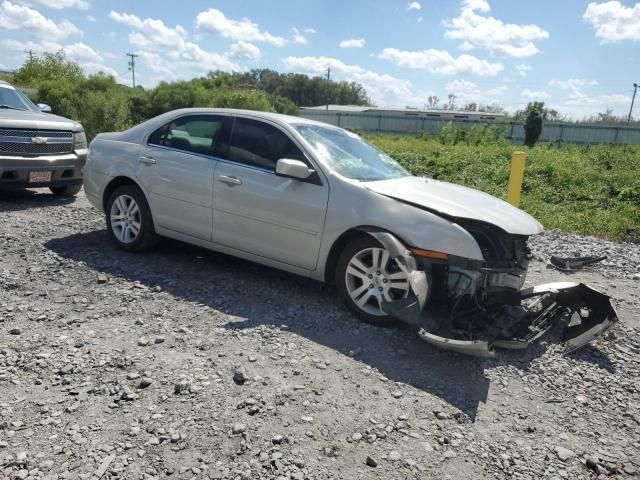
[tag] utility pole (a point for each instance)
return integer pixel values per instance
(328, 80)
(30, 52)
(635, 89)
(132, 66)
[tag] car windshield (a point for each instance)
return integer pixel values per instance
(15, 99)
(349, 155)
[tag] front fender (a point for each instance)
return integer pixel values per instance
(407, 310)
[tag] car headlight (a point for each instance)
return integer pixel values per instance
(79, 141)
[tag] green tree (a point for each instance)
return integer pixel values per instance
(50, 66)
(548, 114)
(532, 127)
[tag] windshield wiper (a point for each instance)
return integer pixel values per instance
(12, 107)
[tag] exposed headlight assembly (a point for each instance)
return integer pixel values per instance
(79, 141)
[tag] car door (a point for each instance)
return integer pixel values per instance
(177, 170)
(259, 212)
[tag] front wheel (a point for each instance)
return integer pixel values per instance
(366, 275)
(129, 220)
(66, 190)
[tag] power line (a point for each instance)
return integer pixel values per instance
(132, 66)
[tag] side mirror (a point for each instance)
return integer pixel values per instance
(44, 107)
(286, 167)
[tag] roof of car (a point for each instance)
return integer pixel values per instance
(278, 117)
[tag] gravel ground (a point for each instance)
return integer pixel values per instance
(184, 363)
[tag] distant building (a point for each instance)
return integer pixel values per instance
(409, 112)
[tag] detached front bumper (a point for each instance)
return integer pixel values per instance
(584, 312)
(65, 169)
(497, 313)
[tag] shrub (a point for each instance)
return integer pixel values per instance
(532, 128)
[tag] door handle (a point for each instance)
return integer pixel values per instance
(232, 181)
(147, 160)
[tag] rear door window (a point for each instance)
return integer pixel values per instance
(192, 133)
(259, 144)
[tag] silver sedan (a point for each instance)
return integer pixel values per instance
(318, 201)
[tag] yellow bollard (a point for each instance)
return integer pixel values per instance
(516, 177)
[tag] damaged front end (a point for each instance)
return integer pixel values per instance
(475, 307)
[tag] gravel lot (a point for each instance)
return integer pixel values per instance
(184, 363)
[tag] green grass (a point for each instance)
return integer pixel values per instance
(591, 190)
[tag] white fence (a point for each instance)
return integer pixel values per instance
(581, 133)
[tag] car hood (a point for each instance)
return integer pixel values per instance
(450, 200)
(35, 120)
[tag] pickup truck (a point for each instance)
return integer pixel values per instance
(38, 149)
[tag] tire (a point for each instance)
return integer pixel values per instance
(122, 214)
(374, 282)
(66, 190)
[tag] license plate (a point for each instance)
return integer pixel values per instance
(38, 177)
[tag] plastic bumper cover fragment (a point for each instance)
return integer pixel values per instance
(591, 314)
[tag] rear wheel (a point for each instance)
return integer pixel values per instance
(66, 190)
(129, 219)
(366, 275)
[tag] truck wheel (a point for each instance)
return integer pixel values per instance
(66, 190)
(129, 220)
(365, 275)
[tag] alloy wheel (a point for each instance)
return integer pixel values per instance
(371, 276)
(126, 220)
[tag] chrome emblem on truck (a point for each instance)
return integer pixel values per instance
(39, 140)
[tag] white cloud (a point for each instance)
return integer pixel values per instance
(534, 95)
(467, 92)
(77, 51)
(168, 53)
(23, 18)
(92, 67)
(298, 37)
(310, 30)
(185, 64)
(574, 84)
(523, 69)
(581, 102)
(440, 61)
(151, 33)
(244, 51)
(613, 21)
(466, 46)
(81, 50)
(414, 6)
(477, 5)
(383, 89)
(214, 21)
(60, 4)
(477, 30)
(353, 43)
(91, 18)
(87, 57)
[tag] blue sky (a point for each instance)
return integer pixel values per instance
(580, 57)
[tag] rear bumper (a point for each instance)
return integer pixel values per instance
(65, 170)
